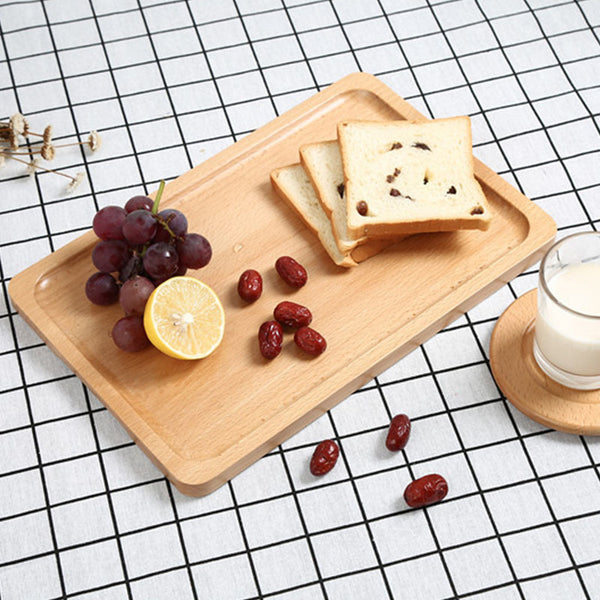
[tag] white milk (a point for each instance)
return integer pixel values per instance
(569, 341)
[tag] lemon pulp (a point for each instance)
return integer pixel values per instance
(184, 318)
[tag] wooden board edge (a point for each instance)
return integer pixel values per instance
(172, 465)
(184, 474)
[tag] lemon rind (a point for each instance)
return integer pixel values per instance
(164, 346)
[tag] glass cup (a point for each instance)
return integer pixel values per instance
(566, 342)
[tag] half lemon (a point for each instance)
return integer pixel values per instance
(184, 318)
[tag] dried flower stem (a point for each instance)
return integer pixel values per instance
(47, 152)
(17, 127)
(20, 127)
(70, 144)
(75, 181)
(5, 130)
(9, 152)
(43, 168)
(93, 141)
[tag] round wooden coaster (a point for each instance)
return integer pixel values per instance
(526, 386)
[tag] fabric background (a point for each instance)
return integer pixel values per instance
(169, 83)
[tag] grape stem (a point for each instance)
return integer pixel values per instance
(154, 211)
(161, 187)
(162, 222)
(165, 224)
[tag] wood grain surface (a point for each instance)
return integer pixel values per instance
(203, 422)
(526, 386)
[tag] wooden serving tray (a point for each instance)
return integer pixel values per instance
(203, 422)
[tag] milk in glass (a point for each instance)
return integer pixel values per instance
(569, 338)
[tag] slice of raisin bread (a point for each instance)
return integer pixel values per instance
(405, 177)
(323, 165)
(293, 185)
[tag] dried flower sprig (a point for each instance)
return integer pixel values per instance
(17, 127)
(33, 166)
(93, 142)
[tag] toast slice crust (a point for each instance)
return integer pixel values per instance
(293, 185)
(322, 162)
(404, 177)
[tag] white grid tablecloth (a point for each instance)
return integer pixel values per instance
(169, 83)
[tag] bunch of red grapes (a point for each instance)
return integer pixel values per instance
(139, 248)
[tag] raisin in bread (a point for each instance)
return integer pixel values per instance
(293, 185)
(323, 165)
(405, 177)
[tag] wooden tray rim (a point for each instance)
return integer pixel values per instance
(187, 474)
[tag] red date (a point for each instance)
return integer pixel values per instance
(291, 271)
(398, 433)
(324, 457)
(250, 285)
(426, 490)
(270, 339)
(292, 315)
(310, 340)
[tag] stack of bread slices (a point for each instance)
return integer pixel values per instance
(382, 180)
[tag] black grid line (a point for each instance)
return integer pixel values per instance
(457, 498)
(593, 122)
(108, 495)
(286, 466)
(243, 71)
(524, 91)
(570, 181)
(518, 437)
(550, 508)
(302, 18)
(119, 100)
(497, 139)
(308, 30)
(39, 468)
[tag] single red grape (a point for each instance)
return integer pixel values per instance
(134, 294)
(138, 203)
(108, 221)
(139, 227)
(161, 260)
(194, 251)
(129, 334)
(102, 289)
(110, 256)
(175, 221)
